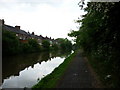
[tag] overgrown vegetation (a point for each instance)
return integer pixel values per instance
(99, 36)
(50, 81)
(46, 45)
(64, 44)
(12, 45)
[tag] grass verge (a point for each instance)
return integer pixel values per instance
(104, 71)
(50, 80)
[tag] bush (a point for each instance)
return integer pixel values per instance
(54, 47)
(99, 37)
(34, 46)
(10, 43)
(64, 44)
(46, 45)
(26, 47)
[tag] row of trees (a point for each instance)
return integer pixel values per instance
(99, 37)
(12, 45)
(64, 44)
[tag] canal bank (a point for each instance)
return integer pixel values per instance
(26, 70)
(50, 80)
(74, 72)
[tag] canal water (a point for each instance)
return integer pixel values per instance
(26, 70)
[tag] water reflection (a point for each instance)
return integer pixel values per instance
(24, 71)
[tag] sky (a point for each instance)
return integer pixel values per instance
(52, 18)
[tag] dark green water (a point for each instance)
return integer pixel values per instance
(26, 70)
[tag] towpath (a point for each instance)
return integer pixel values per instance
(79, 74)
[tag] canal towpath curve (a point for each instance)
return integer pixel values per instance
(79, 74)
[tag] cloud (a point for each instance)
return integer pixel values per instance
(32, 2)
(53, 18)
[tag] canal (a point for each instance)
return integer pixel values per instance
(26, 70)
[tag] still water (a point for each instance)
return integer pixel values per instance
(26, 70)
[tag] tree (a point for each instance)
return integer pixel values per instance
(46, 45)
(10, 43)
(34, 46)
(54, 47)
(99, 37)
(26, 48)
(64, 44)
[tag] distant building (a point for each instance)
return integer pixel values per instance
(23, 35)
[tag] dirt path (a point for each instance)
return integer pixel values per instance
(79, 74)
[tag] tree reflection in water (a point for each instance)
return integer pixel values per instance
(13, 65)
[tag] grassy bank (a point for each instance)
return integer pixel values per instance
(104, 71)
(50, 80)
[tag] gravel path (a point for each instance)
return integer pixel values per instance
(79, 74)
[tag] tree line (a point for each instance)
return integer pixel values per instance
(11, 45)
(99, 37)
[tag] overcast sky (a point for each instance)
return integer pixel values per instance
(52, 18)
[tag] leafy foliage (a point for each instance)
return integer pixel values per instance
(34, 45)
(46, 45)
(10, 43)
(55, 47)
(99, 36)
(64, 44)
(26, 47)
